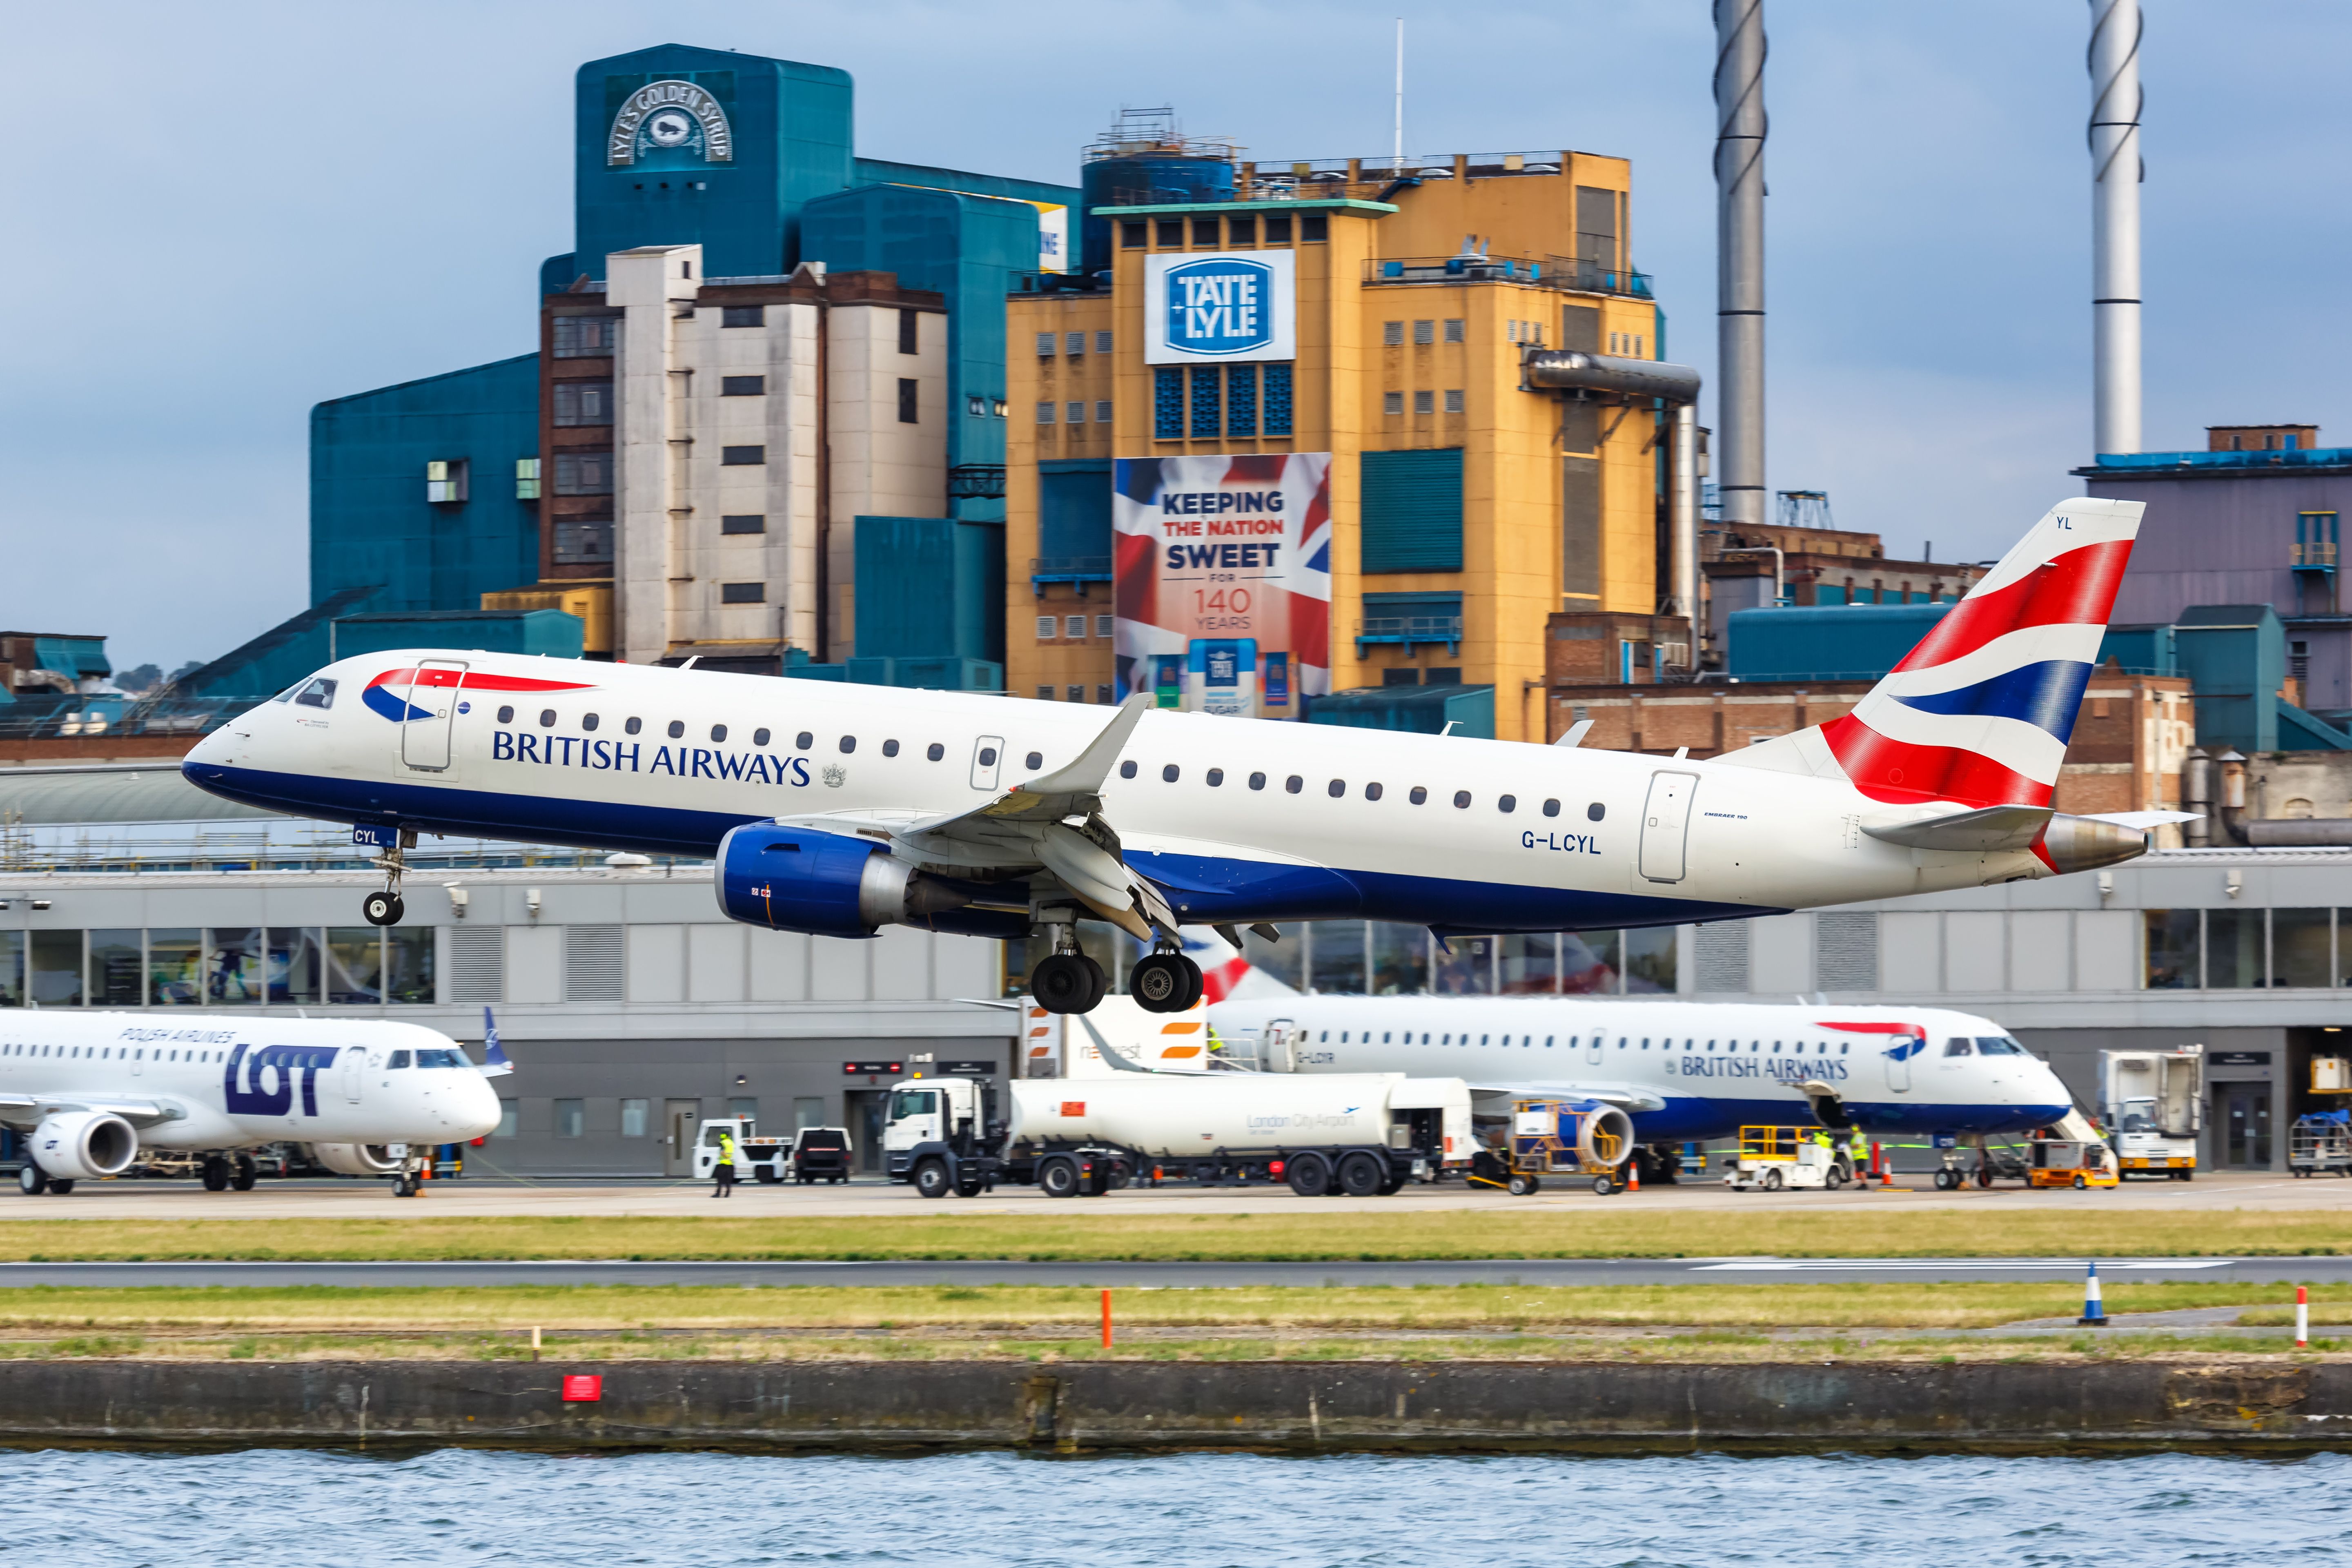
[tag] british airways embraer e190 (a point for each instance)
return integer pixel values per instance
(836, 810)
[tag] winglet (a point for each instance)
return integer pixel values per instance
(495, 1063)
(1574, 734)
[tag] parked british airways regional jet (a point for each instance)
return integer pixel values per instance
(836, 810)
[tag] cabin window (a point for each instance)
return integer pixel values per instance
(1551, 808)
(1127, 770)
(1508, 804)
(1293, 783)
(633, 726)
(759, 737)
(1257, 781)
(547, 717)
(804, 741)
(1419, 796)
(1595, 812)
(1168, 773)
(935, 751)
(505, 715)
(676, 728)
(1215, 777)
(1337, 788)
(718, 733)
(589, 722)
(890, 748)
(1371, 792)
(1462, 800)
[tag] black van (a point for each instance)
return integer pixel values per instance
(822, 1154)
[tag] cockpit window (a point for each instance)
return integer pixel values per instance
(288, 695)
(399, 1059)
(1959, 1048)
(1998, 1045)
(441, 1058)
(319, 693)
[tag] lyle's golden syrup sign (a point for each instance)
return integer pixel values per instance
(670, 117)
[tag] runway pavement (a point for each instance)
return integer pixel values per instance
(1181, 1275)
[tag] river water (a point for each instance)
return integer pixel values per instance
(293, 1509)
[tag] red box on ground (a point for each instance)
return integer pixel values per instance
(583, 1388)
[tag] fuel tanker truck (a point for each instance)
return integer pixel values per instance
(1357, 1133)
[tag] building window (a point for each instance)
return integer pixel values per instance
(1424, 402)
(1074, 344)
(910, 331)
(1241, 230)
(1167, 403)
(583, 541)
(1131, 234)
(526, 479)
(1392, 335)
(585, 337)
(571, 1118)
(1204, 231)
(909, 413)
(1044, 694)
(743, 456)
(634, 1118)
(584, 473)
(1168, 232)
(1048, 628)
(1075, 413)
(976, 407)
(1410, 512)
(1102, 694)
(1392, 403)
(1046, 413)
(743, 593)
(1102, 625)
(1205, 401)
(1102, 342)
(445, 482)
(998, 406)
(1046, 343)
(743, 316)
(743, 522)
(1454, 401)
(736, 386)
(1240, 400)
(1075, 628)
(1275, 410)
(582, 403)
(1102, 410)
(1458, 330)
(1277, 229)
(1314, 228)
(1424, 332)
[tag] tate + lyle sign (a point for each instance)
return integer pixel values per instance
(1204, 310)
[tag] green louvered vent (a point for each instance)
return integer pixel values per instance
(1412, 510)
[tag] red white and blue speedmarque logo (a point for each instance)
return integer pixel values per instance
(1228, 306)
(385, 693)
(1907, 1040)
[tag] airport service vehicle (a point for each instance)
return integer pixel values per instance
(822, 1154)
(2153, 1103)
(2074, 1163)
(1566, 1138)
(763, 1158)
(1360, 1134)
(1774, 1158)
(835, 810)
(2321, 1142)
(89, 1090)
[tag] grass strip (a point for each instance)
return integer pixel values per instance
(1598, 1229)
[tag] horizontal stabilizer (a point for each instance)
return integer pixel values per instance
(2144, 820)
(1994, 828)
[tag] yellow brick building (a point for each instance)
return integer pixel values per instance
(1416, 299)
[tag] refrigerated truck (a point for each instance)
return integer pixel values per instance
(1357, 1133)
(2153, 1103)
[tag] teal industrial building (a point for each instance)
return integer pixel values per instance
(467, 493)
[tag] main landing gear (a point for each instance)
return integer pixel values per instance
(1167, 981)
(385, 908)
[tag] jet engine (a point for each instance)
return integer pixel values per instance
(831, 884)
(83, 1145)
(1601, 1122)
(360, 1159)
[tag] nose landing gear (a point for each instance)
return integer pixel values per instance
(386, 908)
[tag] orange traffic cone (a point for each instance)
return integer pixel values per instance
(1633, 1175)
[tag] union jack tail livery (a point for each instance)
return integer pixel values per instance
(1980, 712)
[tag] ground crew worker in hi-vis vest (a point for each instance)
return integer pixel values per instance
(722, 1174)
(1858, 1151)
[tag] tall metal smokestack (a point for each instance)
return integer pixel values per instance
(2115, 175)
(1739, 131)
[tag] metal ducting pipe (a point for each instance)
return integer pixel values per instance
(1682, 521)
(1570, 370)
(2197, 795)
(2299, 833)
(2232, 764)
(2116, 176)
(1740, 129)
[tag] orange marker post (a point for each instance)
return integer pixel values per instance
(2301, 1317)
(1105, 1319)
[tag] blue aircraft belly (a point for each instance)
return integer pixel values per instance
(1688, 1119)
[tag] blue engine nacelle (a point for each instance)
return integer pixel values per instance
(831, 884)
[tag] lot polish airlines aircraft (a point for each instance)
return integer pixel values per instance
(89, 1088)
(836, 810)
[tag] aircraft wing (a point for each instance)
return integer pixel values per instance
(1053, 823)
(138, 1112)
(1626, 1097)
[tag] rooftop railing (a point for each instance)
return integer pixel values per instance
(1563, 272)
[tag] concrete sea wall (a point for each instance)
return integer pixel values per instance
(1144, 1404)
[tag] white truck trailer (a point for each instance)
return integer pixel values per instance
(2153, 1103)
(1357, 1133)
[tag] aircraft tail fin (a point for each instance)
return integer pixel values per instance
(1981, 710)
(495, 1062)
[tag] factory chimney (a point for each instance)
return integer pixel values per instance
(1739, 128)
(2116, 176)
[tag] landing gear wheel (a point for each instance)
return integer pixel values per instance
(1165, 982)
(31, 1180)
(246, 1172)
(1947, 1180)
(1360, 1175)
(1984, 1175)
(1058, 1178)
(215, 1174)
(1604, 1185)
(1770, 1181)
(932, 1179)
(382, 908)
(1520, 1186)
(1309, 1175)
(1065, 983)
(403, 1186)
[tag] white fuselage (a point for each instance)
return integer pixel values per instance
(1705, 1069)
(227, 1082)
(1235, 819)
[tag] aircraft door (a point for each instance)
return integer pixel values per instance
(432, 711)
(1898, 1066)
(354, 1073)
(987, 757)
(1665, 825)
(1276, 1043)
(1592, 1050)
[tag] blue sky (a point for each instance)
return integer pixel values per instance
(225, 214)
